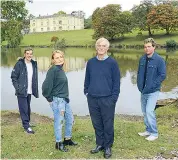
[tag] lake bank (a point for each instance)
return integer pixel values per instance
(16, 144)
(84, 38)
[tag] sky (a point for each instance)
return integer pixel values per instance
(49, 7)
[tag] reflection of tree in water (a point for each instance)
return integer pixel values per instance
(134, 77)
(169, 52)
(172, 75)
(127, 64)
(4, 58)
(172, 70)
(9, 56)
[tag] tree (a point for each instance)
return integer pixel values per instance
(88, 23)
(14, 13)
(126, 22)
(109, 22)
(26, 23)
(140, 13)
(164, 16)
(96, 22)
(31, 16)
(60, 13)
(54, 39)
(13, 33)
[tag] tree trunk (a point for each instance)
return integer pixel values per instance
(167, 30)
(149, 32)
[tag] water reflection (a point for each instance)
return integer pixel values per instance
(76, 59)
(72, 63)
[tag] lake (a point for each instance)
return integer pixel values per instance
(76, 59)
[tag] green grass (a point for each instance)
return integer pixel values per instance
(159, 36)
(72, 52)
(84, 37)
(18, 145)
(77, 37)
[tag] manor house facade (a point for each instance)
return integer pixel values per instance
(49, 23)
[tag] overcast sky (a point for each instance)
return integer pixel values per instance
(88, 6)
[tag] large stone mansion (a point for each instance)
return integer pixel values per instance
(63, 22)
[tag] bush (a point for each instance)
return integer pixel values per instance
(171, 44)
(60, 44)
(139, 36)
(54, 39)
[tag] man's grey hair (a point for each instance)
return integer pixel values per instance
(102, 40)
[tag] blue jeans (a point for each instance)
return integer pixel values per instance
(148, 104)
(62, 111)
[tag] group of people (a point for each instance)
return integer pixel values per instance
(101, 88)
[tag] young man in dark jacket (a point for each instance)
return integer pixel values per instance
(25, 81)
(151, 73)
(102, 88)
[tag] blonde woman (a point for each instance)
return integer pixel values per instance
(55, 90)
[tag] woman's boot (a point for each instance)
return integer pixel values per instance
(60, 146)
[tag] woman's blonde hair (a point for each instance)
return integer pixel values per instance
(52, 58)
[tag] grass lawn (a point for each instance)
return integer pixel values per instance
(159, 36)
(77, 37)
(18, 145)
(84, 37)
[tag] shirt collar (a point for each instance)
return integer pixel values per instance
(105, 57)
(152, 57)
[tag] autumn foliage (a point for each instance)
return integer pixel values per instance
(164, 16)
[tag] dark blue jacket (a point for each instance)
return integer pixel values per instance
(20, 79)
(156, 73)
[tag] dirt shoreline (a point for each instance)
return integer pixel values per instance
(10, 117)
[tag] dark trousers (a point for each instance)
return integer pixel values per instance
(24, 109)
(102, 112)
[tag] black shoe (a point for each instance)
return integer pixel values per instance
(61, 147)
(69, 142)
(107, 153)
(29, 131)
(97, 149)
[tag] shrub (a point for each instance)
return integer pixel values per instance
(54, 39)
(61, 44)
(171, 44)
(139, 36)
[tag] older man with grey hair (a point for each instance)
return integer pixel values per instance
(102, 88)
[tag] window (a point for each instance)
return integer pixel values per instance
(54, 28)
(42, 23)
(41, 29)
(60, 22)
(34, 30)
(48, 29)
(54, 22)
(33, 24)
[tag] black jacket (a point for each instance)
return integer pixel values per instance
(20, 79)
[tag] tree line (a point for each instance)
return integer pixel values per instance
(111, 22)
